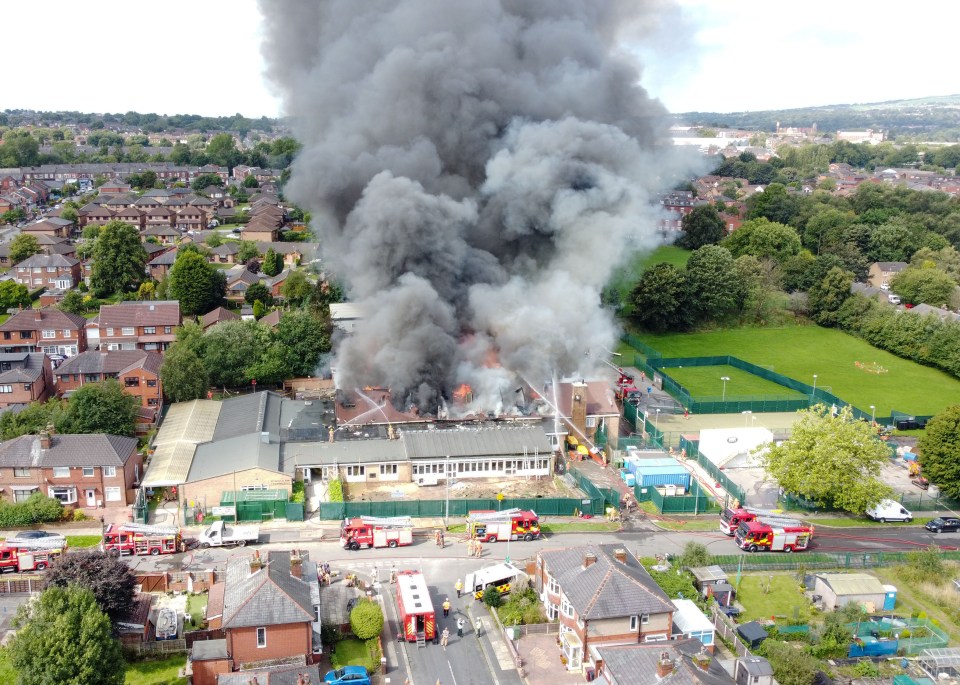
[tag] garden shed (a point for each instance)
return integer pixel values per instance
(937, 662)
(753, 670)
(840, 589)
(752, 633)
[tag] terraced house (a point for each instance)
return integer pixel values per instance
(45, 330)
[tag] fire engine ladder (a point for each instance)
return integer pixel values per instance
(146, 529)
(775, 521)
(421, 639)
(388, 522)
(495, 516)
(774, 513)
(39, 545)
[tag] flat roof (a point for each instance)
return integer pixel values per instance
(413, 593)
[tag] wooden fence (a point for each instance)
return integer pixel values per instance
(161, 647)
(177, 581)
(21, 584)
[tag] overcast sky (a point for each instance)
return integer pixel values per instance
(203, 57)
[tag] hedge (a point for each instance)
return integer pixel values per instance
(37, 508)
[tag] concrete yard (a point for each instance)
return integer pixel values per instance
(468, 488)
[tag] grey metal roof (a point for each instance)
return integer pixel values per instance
(344, 452)
(68, 450)
(608, 588)
(475, 442)
(238, 453)
(277, 675)
(269, 596)
(757, 665)
(637, 663)
(206, 650)
(243, 414)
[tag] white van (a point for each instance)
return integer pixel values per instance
(893, 299)
(888, 510)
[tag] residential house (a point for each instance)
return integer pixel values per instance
(95, 215)
(137, 371)
(268, 611)
(221, 171)
(225, 253)
(114, 187)
(293, 253)
(44, 330)
(883, 272)
(146, 203)
(275, 283)
(602, 595)
(118, 203)
(239, 278)
(48, 271)
(25, 377)
(133, 216)
(681, 662)
(52, 226)
(260, 230)
(160, 265)
(191, 218)
(218, 315)
(138, 325)
(271, 320)
(165, 235)
(159, 216)
(90, 471)
(589, 407)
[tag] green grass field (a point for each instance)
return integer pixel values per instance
(705, 381)
(626, 276)
(801, 351)
(153, 672)
(784, 595)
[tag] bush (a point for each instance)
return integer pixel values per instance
(336, 491)
(366, 620)
(521, 608)
(867, 669)
(492, 597)
(299, 492)
(37, 508)
(694, 555)
(373, 647)
(330, 634)
(924, 565)
(78, 515)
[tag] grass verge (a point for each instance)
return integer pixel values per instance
(77, 541)
(156, 671)
(843, 522)
(697, 524)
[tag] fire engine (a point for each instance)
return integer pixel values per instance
(626, 388)
(418, 621)
(774, 535)
(141, 539)
(732, 517)
(30, 555)
(374, 531)
(510, 524)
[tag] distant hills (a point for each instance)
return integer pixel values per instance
(935, 118)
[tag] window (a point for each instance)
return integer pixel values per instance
(65, 495)
(644, 619)
(112, 494)
(21, 473)
(28, 386)
(91, 377)
(51, 269)
(151, 382)
(153, 401)
(149, 330)
(388, 469)
(26, 335)
(566, 608)
(88, 472)
(6, 388)
(49, 334)
(128, 330)
(22, 495)
(168, 329)
(109, 331)
(61, 471)
(261, 637)
(132, 382)
(634, 623)
(553, 611)
(591, 421)
(109, 471)
(67, 333)
(356, 470)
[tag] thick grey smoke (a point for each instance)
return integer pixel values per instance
(476, 169)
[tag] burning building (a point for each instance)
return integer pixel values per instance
(475, 175)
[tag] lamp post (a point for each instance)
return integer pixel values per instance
(446, 512)
(873, 414)
(724, 379)
(814, 386)
(656, 420)
(747, 415)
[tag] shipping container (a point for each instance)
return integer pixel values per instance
(655, 476)
(632, 463)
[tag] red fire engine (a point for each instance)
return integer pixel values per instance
(374, 531)
(732, 517)
(767, 534)
(627, 390)
(32, 555)
(510, 524)
(141, 539)
(415, 608)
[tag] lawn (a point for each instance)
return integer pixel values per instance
(197, 608)
(784, 596)
(801, 351)
(353, 652)
(864, 522)
(711, 524)
(705, 381)
(152, 672)
(83, 540)
(626, 276)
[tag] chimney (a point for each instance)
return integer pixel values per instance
(578, 411)
(296, 564)
(589, 559)
(44, 440)
(255, 562)
(620, 555)
(37, 315)
(702, 659)
(664, 665)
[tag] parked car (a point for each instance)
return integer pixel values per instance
(348, 675)
(893, 299)
(28, 535)
(888, 510)
(943, 524)
(884, 286)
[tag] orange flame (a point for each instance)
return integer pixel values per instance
(463, 394)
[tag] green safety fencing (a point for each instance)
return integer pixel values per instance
(808, 561)
(913, 502)
(691, 450)
(924, 634)
(544, 506)
(644, 349)
(256, 505)
(694, 502)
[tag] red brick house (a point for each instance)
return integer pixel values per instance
(48, 271)
(218, 315)
(159, 216)
(96, 215)
(191, 219)
(44, 330)
(137, 371)
(54, 226)
(160, 265)
(138, 325)
(260, 231)
(25, 377)
(602, 595)
(133, 216)
(88, 471)
(269, 612)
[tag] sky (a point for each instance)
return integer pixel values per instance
(203, 57)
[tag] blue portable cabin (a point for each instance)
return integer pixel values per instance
(890, 597)
(656, 476)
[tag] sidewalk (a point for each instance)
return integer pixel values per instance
(494, 647)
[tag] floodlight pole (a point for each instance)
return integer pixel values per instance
(724, 379)
(814, 394)
(873, 414)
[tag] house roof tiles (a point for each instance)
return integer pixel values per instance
(268, 596)
(68, 450)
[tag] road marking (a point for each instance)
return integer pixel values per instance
(450, 666)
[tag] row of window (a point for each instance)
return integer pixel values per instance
(64, 472)
(147, 330)
(53, 334)
(68, 495)
(38, 269)
(498, 465)
(360, 470)
(9, 388)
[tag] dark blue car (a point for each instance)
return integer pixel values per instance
(348, 675)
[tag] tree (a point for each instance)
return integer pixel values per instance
(791, 666)
(492, 597)
(296, 288)
(222, 150)
(940, 451)
(702, 226)
(69, 214)
(829, 294)
(14, 295)
(183, 374)
(923, 285)
(305, 337)
(101, 407)
(366, 619)
(23, 247)
(215, 240)
(660, 299)
(197, 284)
(250, 181)
(205, 180)
(258, 291)
(247, 250)
(272, 263)
(764, 240)
(774, 203)
(119, 260)
(230, 348)
(694, 555)
(34, 418)
(72, 303)
(831, 459)
(711, 276)
(13, 216)
(111, 579)
(64, 637)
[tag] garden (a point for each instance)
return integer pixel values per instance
(363, 648)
